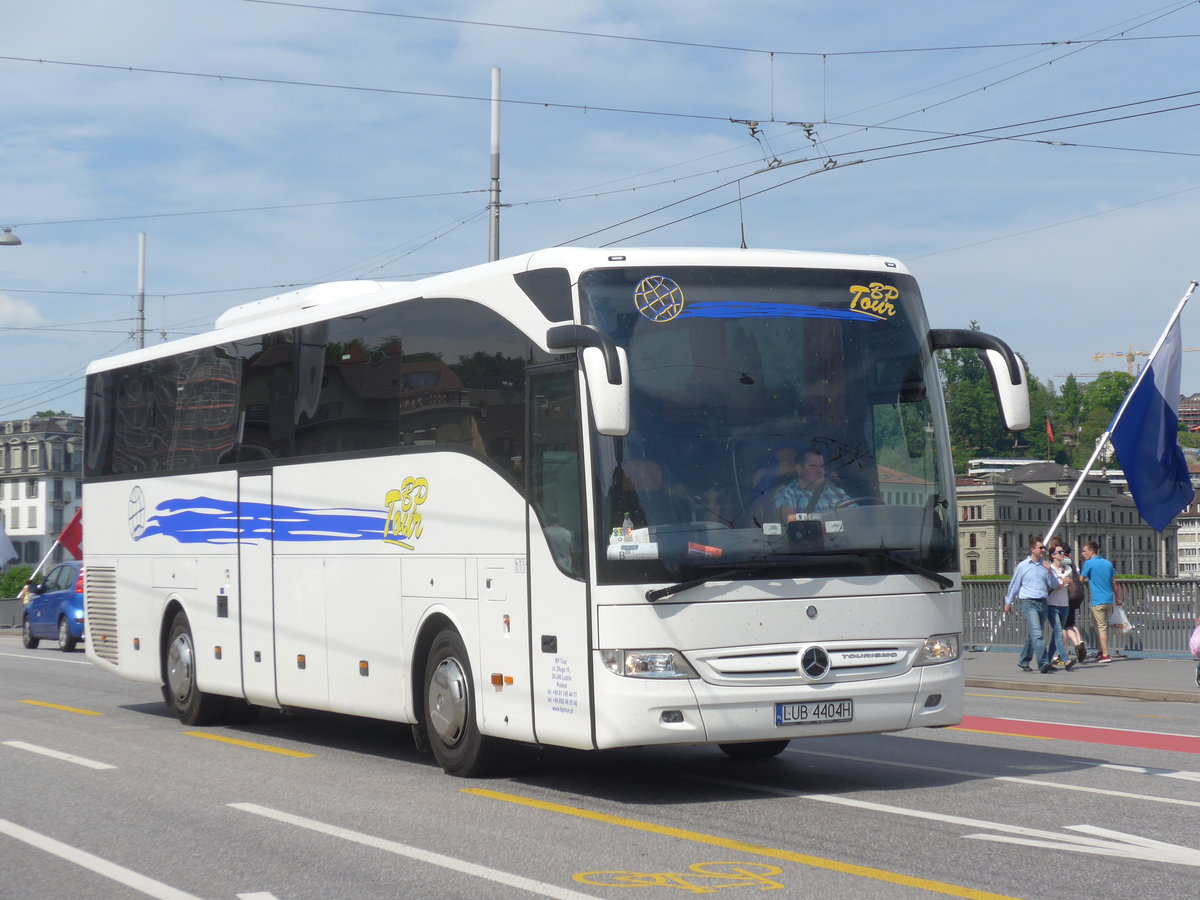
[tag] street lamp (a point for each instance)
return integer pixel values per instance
(8, 239)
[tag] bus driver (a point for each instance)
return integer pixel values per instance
(808, 492)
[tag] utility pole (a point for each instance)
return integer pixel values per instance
(141, 292)
(494, 193)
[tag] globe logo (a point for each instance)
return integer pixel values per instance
(658, 298)
(137, 513)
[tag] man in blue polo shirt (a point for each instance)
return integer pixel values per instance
(1031, 584)
(1099, 573)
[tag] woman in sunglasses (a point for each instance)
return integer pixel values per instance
(1058, 603)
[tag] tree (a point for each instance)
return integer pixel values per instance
(976, 429)
(12, 579)
(51, 414)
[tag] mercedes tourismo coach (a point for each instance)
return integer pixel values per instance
(544, 500)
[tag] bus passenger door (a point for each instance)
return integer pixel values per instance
(256, 589)
(560, 635)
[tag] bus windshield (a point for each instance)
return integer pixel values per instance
(786, 422)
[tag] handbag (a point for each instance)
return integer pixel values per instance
(1119, 620)
(1194, 643)
(1074, 586)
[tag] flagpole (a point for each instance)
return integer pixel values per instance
(1113, 424)
(38, 567)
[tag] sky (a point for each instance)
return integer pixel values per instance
(1036, 165)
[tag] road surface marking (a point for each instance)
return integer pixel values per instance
(436, 859)
(1026, 698)
(48, 658)
(55, 754)
(1093, 840)
(112, 871)
(266, 748)
(1012, 779)
(1165, 773)
(713, 840)
(701, 878)
(72, 709)
(1088, 734)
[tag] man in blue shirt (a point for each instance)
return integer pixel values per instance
(808, 492)
(1031, 584)
(1099, 573)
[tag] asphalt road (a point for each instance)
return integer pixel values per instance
(1037, 795)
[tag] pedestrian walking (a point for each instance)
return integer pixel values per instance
(1058, 605)
(1031, 584)
(1072, 636)
(1100, 576)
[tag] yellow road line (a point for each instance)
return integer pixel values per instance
(1032, 737)
(72, 709)
(713, 840)
(282, 751)
(1025, 697)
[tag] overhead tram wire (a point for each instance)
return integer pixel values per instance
(701, 46)
(545, 104)
(548, 104)
(244, 209)
(983, 138)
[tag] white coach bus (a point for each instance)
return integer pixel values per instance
(538, 501)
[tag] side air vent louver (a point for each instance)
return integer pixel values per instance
(100, 612)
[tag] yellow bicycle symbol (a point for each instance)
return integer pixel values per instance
(702, 878)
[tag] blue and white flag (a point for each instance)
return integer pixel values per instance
(1144, 433)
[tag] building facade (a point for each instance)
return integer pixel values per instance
(999, 512)
(41, 482)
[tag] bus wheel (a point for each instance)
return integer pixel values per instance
(450, 720)
(754, 749)
(189, 703)
(27, 637)
(66, 643)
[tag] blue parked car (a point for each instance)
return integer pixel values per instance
(55, 608)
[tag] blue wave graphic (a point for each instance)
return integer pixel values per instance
(203, 520)
(734, 309)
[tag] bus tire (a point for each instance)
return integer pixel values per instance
(27, 638)
(192, 705)
(450, 718)
(754, 749)
(66, 642)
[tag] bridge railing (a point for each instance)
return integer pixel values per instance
(1163, 612)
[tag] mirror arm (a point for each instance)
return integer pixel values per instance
(567, 337)
(955, 338)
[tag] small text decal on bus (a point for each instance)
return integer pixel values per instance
(874, 299)
(403, 518)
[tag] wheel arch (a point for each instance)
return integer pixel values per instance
(435, 623)
(170, 611)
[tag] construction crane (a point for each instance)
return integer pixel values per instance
(1131, 353)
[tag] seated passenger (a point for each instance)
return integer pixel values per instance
(808, 492)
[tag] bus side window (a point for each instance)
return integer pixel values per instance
(554, 479)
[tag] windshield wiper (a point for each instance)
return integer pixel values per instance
(783, 562)
(937, 577)
(659, 593)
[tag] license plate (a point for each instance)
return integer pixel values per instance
(813, 712)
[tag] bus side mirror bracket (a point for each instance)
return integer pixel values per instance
(606, 370)
(1004, 366)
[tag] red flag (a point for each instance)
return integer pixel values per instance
(72, 536)
(1049, 431)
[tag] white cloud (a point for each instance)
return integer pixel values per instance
(16, 313)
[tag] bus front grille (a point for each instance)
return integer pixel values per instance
(781, 664)
(100, 612)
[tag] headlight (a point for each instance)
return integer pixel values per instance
(938, 649)
(647, 663)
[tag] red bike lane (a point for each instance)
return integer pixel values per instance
(1088, 734)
